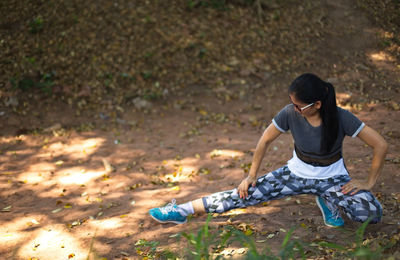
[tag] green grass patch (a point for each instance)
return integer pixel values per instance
(207, 243)
(28, 84)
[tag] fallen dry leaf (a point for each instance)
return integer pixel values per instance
(57, 210)
(175, 188)
(59, 163)
(6, 209)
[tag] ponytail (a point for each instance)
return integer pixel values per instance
(330, 120)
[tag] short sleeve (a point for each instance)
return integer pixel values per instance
(351, 125)
(281, 120)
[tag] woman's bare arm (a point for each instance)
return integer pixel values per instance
(269, 135)
(380, 146)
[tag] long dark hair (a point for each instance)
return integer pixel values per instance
(309, 88)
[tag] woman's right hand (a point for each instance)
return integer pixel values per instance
(244, 186)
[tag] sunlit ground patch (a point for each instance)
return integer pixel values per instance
(381, 56)
(37, 172)
(14, 232)
(52, 243)
(110, 223)
(20, 224)
(10, 238)
(225, 153)
(183, 170)
(77, 149)
(181, 174)
(234, 212)
(78, 175)
(41, 167)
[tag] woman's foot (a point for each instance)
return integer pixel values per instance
(168, 214)
(331, 219)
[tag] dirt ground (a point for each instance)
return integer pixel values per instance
(80, 186)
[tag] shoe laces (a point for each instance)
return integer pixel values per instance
(335, 214)
(334, 211)
(169, 207)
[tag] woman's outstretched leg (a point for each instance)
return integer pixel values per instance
(274, 185)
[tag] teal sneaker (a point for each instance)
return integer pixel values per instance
(331, 219)
(168, 214)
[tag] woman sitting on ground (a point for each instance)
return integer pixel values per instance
(318, 128)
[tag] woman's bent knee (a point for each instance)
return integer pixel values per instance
(371, 213)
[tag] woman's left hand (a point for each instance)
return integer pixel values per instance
(355, 186)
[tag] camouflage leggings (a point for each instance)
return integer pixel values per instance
(282, 183)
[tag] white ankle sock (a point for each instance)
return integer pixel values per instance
(186, 209)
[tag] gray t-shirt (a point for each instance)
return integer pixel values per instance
(308, 138)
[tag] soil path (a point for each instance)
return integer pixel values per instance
(65, 193)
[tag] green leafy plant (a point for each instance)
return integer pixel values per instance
(26, 83)
(215, 4)
(151, 94)
(23, 84)
(36, 25)
(208, 243)
(202, 53)
(146, 248)
(46, 83)
(147, 74)
(360, 248)
(290, 249)
(149, 250)
(204, 244)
